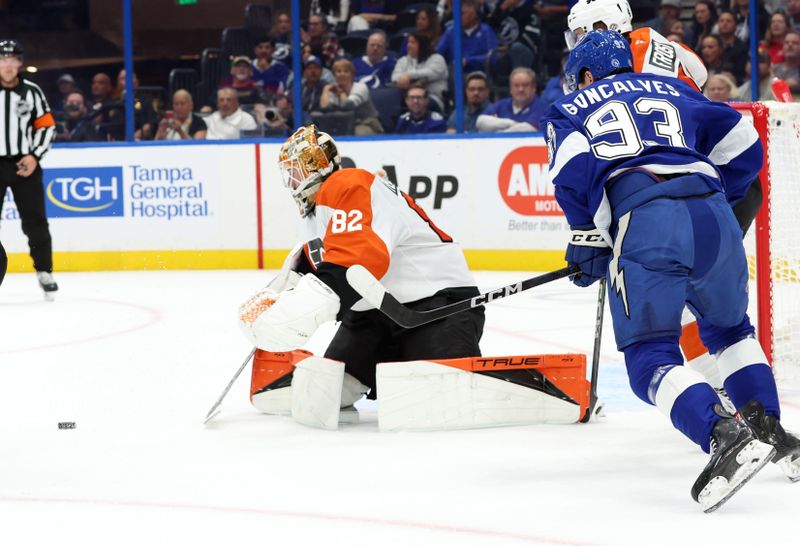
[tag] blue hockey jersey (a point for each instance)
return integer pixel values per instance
(643, 121)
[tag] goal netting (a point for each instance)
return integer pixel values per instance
(773, 244)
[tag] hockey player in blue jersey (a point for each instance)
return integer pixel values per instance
(646, 170)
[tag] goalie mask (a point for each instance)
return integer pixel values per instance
(614, 14)
(306, 159)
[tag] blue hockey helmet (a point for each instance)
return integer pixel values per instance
(601, 52)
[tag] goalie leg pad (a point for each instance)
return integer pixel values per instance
(478, 392)
(320, 388)
(271, 381)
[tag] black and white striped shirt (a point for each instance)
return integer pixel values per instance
(26, 123)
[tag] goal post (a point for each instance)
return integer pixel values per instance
(775, 237)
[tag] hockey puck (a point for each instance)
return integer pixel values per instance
(66, 425)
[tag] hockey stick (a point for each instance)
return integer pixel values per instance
(214, 411)
(376, 294)
(598, 332)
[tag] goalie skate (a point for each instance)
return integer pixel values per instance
(768, 429)
(736, 456)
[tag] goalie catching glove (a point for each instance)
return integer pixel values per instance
(281, 320)
(589, 251)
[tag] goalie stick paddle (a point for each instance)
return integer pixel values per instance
(598, 332)
(214, 411)
(376, 294)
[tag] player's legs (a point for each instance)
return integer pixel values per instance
(29, 197)
(648, 280)
(718, 296)
(362, 340)
(455, 336)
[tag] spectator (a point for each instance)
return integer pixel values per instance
(312, 85)
(103, 105)
(324, 44)
(765, 76)
(476, 89)
(228, 121)
(335, 12)
(677, 29)
(371, 13)
(349, 95)
(271, 75)
(180, 123)
(418, 119)
(66, 86)
(375, 68)
(734, 51)
(793, 9)
(241, 80)
(282, 30)
(478, 40)
(518, 29)
(422, 65)
(519, 112)
(427, 22)
(669, 11)
(77, 127)
(276, 121)
(719, 88)
(773, 39)
(703, 21)
(789, 69)
(741, 11)
(711, 53)
(554, 89)
(101, 90)
(144, 114)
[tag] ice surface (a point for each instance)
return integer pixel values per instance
(136, 359)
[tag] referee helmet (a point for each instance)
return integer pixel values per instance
(10, 48)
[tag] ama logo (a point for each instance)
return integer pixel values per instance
(525, 185)
(84, 191)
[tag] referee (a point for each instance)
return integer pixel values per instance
(26, 129)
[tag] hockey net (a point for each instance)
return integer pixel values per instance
(773, 245)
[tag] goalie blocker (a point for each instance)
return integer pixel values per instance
(448, 394)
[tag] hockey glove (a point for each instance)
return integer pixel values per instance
(589, 251)
(292, 318)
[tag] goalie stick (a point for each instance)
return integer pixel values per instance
(214, 411)
(598, 332)
(376, 294)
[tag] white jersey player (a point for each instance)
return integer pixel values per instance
(356, 217)
(652, 53)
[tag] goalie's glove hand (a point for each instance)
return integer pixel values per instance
(286, 321)
(589, 251)
(262, 300)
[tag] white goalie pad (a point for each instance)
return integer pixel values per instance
(423, 395)
(274, 401)
(320, 388)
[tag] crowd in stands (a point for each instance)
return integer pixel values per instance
(372, 67)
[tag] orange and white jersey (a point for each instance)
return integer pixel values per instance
(362, 218)
(654, 54)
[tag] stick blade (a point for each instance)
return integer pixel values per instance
(367, 286)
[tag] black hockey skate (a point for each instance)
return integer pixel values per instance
(736, 456)
(768, 429)
(48, 284)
